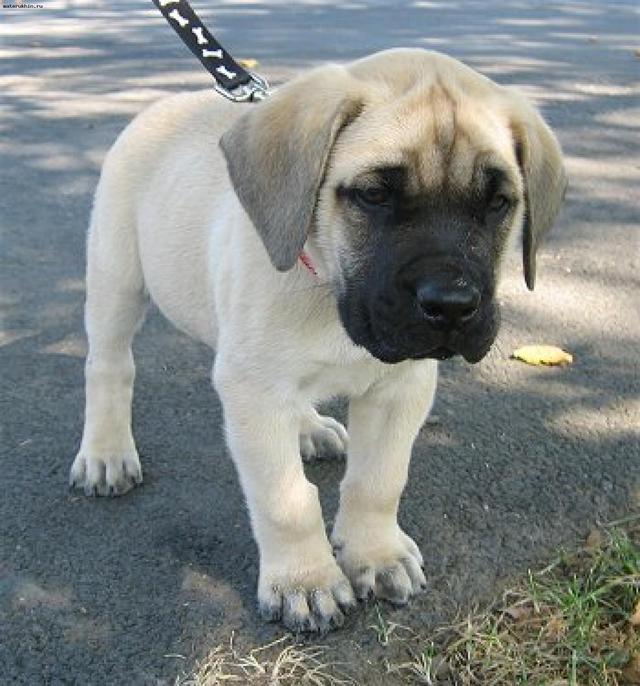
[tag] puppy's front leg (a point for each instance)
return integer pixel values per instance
(300, 581)
(377, 556)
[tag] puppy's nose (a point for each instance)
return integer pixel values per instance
(447, 304)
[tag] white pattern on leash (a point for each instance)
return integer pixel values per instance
(177, 17)
(225, 72)
(212, 53)
(198, 31)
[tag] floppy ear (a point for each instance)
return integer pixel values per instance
(277, 154)
(545, 181)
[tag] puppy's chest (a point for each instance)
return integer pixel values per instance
(322, 361)
(322, 380)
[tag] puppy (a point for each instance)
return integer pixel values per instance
(336, 239)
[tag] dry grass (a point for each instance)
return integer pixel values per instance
(280, 663)
(575, 623)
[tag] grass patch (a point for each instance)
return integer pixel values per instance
(280, 663)
(574, 623)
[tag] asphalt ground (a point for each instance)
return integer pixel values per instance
(520, 460)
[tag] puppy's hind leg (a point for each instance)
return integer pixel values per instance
(108, 463)
(322, 436)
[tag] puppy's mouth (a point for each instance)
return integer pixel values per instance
(392, 355)
(396, 344)
(442, 353)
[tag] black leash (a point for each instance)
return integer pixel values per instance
(231, 80)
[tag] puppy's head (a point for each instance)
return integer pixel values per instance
(407, 172)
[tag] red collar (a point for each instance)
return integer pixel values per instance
(308, 262)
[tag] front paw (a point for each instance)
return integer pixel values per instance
(305, 599)
(106, 475)
(387, 566)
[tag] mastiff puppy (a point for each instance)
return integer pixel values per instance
(336, 239)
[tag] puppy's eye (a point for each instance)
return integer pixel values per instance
(499, 205)
(373, 196)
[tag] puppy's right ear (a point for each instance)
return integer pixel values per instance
(277, 153)
(545, 180)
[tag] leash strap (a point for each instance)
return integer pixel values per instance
(231, 80)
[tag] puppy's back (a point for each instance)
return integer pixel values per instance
(161, 183)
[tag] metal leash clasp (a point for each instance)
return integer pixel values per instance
(256, 89)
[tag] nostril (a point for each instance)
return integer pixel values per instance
(468, 312)
(433, 311)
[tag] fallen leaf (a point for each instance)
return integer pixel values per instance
(248, 63)
(542, 355)
(635, 617)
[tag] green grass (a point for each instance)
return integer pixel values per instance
(573, 623)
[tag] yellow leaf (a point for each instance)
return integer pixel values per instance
(543, 355)
(248, 63)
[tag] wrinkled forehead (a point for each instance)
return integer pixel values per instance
(441, 137)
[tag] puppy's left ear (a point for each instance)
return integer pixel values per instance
(277, 153)
(545, 180)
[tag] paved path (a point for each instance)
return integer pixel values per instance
(522, 459)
